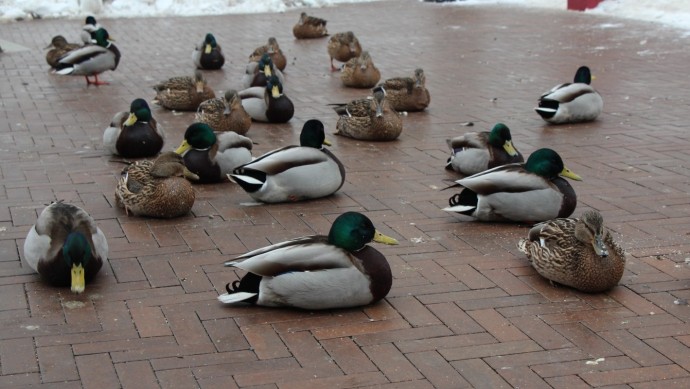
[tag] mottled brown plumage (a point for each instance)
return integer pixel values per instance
(580, 253)
(370, 119)
(273, 50)
(408, 93)
(309, 27)
(360, 72)
(343, 46)
(58, 47)
(183, 93)
(225, 114)
(156, 188)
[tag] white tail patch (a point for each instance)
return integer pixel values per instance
(247, 179)
(460, 208)
(65, 71)
(235, 297)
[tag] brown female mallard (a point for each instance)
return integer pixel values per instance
(360, 72)
(273, 50)
(408, 93)
(58, 47)
(369, 119)
(309, 27)
(343, 46)
(156, 188)
(183, 93)
(225, 114)
(579, 253)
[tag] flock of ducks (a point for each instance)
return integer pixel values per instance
(317, 272)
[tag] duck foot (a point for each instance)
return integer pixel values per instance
(96, 81)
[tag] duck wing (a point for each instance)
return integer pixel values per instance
(512, 178)
(309, 253)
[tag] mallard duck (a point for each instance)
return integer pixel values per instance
(88, 31)
(316, 272)
(65, 246)
(273, 50)
(475, 152)
(208, 54)
(343, 46)
(91, 60)
(156, 188)
(293, 173)
(579, 253)
(408, 93)
(183, 93)
(369, 119)
(268, 104)
(360, 72)
(225, 114)
(571, 102)
(58, 47)
(213, 156)
(134, 134)
(258, 73)
(518, 192)
(309, 27)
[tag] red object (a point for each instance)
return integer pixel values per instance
(581, 5)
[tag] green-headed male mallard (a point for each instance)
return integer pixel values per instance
(156, 188)
(579, 253)
(134, 134)
(268, 104)
(293, 173)
(258, 73)
(475, 152)
(88, 31)
(360, 72)
(408, 93)
(518, 192)
(343, 46)
(316, 272)
(58, 47)
(213, 156)
(225, 114)
(369, 119)
(91, 60)
(183, 93)
(273, 50)
(65, 246)
(309, 27)
(208, 54)
(571, 102)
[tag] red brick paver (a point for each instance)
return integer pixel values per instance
(465, 310)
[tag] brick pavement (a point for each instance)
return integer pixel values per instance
(465, 310)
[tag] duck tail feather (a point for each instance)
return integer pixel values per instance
(230, 298)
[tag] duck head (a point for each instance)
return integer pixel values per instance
(548, 164)
(500, 137)
(139, 111)
(352, 231)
